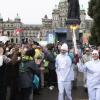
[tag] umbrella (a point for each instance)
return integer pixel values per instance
(4, 39)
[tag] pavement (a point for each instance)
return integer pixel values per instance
(46, 94)
(77, 93)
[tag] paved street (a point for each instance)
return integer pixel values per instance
(77, 94)
(46, 94)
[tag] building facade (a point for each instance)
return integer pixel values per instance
(20, 32)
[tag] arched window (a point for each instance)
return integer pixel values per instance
(8, 33)
(12, 40)
(16, 40)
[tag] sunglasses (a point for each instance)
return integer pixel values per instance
(95, 54)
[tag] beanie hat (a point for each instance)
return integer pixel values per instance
(64, 47)
(95, 52)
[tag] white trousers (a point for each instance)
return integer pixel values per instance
(94, 94)
(64, 91)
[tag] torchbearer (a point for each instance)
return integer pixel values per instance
(65, 73)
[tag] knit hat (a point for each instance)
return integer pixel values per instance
(64, 47)
(95, 52)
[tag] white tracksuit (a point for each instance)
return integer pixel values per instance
(65, 75)
(92, 68)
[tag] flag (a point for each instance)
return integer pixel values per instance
(18, 31)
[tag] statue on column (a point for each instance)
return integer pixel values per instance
(73, 9)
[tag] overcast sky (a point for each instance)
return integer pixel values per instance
(30, 11)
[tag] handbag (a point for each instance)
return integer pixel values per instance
(36, 81)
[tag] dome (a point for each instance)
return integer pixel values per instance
(17, 17)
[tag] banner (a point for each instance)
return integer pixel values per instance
(51, 38)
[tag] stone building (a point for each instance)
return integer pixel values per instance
(20, 32)
(17, 31)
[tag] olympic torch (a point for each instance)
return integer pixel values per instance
(73, 28)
